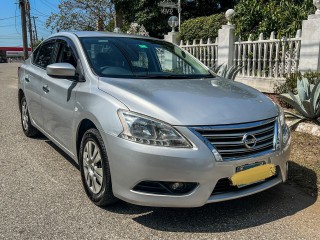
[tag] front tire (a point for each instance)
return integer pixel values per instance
(95, 170)
(28, 129)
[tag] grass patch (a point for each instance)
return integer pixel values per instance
(304, 165)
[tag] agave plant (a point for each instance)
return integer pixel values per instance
(226, 72)
(306, 102)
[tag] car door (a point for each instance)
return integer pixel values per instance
(58, 104)
(33, 78)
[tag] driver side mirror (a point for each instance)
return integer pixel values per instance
(61, 70)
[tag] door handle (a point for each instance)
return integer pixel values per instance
(27, 79)
(45, 88)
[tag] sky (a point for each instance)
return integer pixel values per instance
(10, 20)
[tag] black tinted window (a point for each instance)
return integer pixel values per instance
(66, 55)
(34, 54)
(44, 57)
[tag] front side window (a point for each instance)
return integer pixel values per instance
(45, 55)
(66, 54)
(140, 58)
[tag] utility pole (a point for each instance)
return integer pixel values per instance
(24, 28)
(29, 24)
(34, 36)
(35, 28)
(179, 13)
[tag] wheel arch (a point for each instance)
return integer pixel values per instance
(20, 95)
(83, 126)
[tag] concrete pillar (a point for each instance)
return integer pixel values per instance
(173, 37)
(226, 39)
(170, 60)
(310, 44)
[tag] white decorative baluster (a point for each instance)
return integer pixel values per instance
(254, 60)
(244, 58)
(187, 46)
(208, 53)
(283, 57)
(289, 63)
(272, 37)
(249, 56)
(185, 70)
(265, 59)
(277, 59)
(239, 56)
(235, 54)
(297, 57)
(200, 53)
(194, 46)
(260, 54)
(216, 51)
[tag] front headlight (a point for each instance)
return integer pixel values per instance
(141, 129)
(282, 118)
(283, 126)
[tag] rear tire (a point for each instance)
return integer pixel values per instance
(95, 170)
(28, 129)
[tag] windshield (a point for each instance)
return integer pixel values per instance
(140, 58)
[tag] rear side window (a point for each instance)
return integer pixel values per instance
(45, 55)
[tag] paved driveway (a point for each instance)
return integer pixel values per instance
(42, 198)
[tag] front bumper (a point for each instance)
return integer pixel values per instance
(132, 163)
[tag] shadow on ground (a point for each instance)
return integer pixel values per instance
(265, 207)
(304, 178)
(55, 147)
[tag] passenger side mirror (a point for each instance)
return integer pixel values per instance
(61, 70)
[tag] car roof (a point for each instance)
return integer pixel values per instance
(100, 34)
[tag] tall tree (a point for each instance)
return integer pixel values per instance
(148, 13)
(82, 15)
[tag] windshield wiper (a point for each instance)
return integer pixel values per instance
(160, 76)
(173, 76)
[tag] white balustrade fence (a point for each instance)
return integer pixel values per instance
(207, 52)
(273, 58)
(264, 62)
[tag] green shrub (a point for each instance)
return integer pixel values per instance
(227, 72)
(202, 27)
(306, 102)
(265, 16)
(290, 85)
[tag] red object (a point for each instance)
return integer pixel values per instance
(13, 49)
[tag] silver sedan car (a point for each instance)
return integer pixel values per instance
(150, 124)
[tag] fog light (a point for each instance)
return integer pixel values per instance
(165, 188)
(177, 186)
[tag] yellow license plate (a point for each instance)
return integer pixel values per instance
(253, 175)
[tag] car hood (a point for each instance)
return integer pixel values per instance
(190, 102)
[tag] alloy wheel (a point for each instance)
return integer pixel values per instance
(92, 167)
(24, 115)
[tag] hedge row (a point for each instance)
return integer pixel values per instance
(202, 27)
